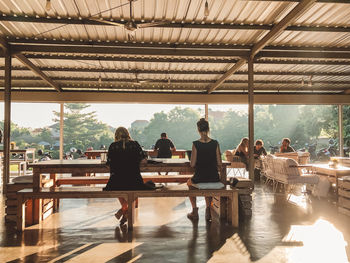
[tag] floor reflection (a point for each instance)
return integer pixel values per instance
(297, 230)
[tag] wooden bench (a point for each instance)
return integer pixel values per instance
(85, 180)
(231, 201)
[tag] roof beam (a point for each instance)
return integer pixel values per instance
(311, 54)
(275, 31)
(184, 72)
(173, 98)
(172, 24)
(4, 46)
(17, 41)
(214, 60)
(37, 71)
(180, 81)
(129, 51)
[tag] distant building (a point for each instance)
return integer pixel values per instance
(139, 124)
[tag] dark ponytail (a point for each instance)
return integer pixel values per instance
(203, 125)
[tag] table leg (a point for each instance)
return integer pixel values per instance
(20, 213)
(55, 201)
(233, 211)
(37, 203)
(131, 210)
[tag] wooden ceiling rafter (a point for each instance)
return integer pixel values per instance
(25, 61)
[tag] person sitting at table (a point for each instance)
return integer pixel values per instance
(285, 147)
(259, 149)
(206, 159)
(124, 157)
(164, 146)
(242, 151)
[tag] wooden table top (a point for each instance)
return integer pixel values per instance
(97, 163)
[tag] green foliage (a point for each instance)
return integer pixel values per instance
(82, 129)
(179, 124)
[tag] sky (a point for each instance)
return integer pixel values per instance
(37, 115)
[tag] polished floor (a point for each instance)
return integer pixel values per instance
(298, 230)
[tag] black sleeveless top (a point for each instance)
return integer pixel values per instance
(206, 169)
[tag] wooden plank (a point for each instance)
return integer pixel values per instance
(343, 184)
(344, 193)
(11, 210)
(10, 218)
(344, 202)
(11, 202)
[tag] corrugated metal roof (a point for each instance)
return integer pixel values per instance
(173, 72)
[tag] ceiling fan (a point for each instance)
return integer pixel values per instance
(131, 26)
(139, 82)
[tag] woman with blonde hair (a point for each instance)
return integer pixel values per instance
(124, 158)
(242, 151)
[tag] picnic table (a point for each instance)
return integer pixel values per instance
(88, 166)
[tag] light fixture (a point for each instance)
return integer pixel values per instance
(302, 82)
(206, 8)
(48, 5)
(310, 81)
(100, 79)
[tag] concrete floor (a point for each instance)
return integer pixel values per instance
(300, 230)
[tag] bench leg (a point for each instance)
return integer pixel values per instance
(20, 213)
(233, 211)
(131, 211)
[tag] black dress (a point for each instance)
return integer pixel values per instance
(206, 169)
(125, 167)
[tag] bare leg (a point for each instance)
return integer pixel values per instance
(124, 210)
(194, 214)
(193, 201)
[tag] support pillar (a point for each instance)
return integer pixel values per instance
(7, 122)
(61, 129)
(341, 130)
(206, 112)
(251, 117)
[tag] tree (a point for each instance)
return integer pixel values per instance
(82, 129)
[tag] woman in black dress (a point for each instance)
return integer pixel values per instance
(206, 159)
(124, 158)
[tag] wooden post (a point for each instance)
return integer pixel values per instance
(340, 131)
(206, 112)
(251, 116)
(7, 118)
(61, 129)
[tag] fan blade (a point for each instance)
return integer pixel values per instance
(107, 22)
(153, 24)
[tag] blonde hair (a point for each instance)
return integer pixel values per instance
(122, 134)
(244, 139)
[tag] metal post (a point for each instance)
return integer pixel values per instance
(251, 117)
(61, 129)
(7, 118)
(340, 125)
(206, 112)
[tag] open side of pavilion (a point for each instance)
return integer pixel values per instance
(195, 52)
(294, 52)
